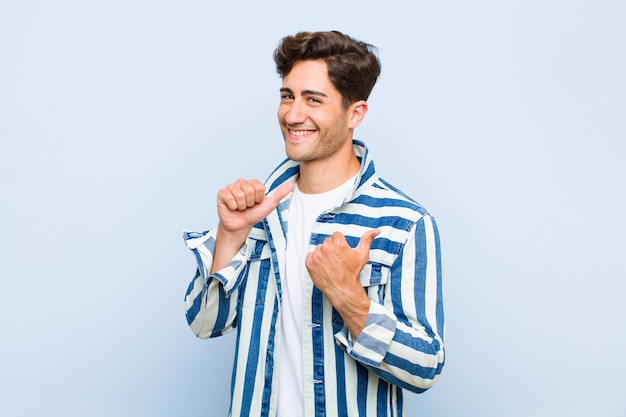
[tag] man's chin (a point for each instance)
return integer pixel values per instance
(293, 154)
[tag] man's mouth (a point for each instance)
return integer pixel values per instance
(301, 132)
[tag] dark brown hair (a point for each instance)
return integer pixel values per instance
(353, 66)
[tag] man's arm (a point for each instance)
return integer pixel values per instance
(402, 339)
(210, 301)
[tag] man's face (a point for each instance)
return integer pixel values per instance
(314, 123)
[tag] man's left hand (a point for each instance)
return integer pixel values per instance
(334, 268)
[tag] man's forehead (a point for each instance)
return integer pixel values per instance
(309, 76)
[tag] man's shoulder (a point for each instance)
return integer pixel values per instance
(381, 194)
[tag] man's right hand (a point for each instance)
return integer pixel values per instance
(240, 206)
(243, 204)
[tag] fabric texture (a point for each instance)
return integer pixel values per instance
(401, 346)
(304, 209)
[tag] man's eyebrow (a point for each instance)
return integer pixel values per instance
(304, 92)
(313, 93)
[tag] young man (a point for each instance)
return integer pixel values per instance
(331, 277)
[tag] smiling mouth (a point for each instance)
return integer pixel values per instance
(301, 133)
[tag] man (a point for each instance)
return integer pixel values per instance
(331, 277)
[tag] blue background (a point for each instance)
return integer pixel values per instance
(120, 120)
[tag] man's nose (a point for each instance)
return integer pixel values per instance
(295, 114)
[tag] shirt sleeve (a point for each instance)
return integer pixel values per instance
(211, 299)
(402, 341)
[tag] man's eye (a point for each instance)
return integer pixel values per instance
(314, 100)
(286, 97)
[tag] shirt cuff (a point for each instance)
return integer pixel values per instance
(373, 342)
(202, 244)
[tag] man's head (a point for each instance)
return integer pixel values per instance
(353, 66)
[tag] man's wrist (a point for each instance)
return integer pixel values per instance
(227, 244)
(354, 312)
(231, 238)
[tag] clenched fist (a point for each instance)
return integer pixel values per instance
(240, 206)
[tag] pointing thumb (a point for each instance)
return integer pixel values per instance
(280, 192)
(366, 240)
(271, 201)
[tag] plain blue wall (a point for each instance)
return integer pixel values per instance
(120, 120)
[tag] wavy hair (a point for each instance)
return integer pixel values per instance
(353, 66)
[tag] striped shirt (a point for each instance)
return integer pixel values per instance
(401, 346)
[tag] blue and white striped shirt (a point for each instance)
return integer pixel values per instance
(401, 346)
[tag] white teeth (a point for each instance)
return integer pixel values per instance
(301, 132)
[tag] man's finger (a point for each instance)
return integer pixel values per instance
(281, 192)
(366, 240)
(259, 193)
(270, 202)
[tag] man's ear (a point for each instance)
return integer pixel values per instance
(357, 111)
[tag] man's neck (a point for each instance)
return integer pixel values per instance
(321, 176)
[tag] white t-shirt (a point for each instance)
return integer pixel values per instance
(304, 209)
